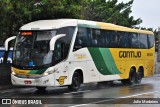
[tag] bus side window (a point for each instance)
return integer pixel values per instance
(82, 39)
(67, 39)
(97, 38)
(134, 42)
(143, 41)
(128, 40)
(150, 41)
(119, 40)
(122, 39)
(62, 45)
(113, 38)
(78, 41)
(94, 39)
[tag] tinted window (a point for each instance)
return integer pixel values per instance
(111, 39)
(105, 38)
(115, 40)
(121, 39)
(150, 41)
(82, 38)
(133, 40)
(69, 34)
(62, 45)
(97, 38)
(143, 41)
(128, 40)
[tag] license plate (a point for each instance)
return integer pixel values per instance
(27, 82)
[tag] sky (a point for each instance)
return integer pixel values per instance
(148, 11)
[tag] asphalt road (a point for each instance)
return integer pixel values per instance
(91, 95)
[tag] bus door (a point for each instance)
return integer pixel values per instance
(61, 74)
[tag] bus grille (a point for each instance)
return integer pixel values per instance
(29, 76)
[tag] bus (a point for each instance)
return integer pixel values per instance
(70, 52)
(2, 51)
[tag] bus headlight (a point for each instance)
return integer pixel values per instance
(13, 73)
(48, 72)
(45, 74)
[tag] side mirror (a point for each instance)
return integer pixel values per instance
(7, 41)
(54, 39)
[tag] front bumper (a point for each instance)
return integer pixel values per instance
(41, 81)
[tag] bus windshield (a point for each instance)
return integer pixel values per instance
(32, 48)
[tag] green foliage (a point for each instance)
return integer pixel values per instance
(111, 12)
(15, 13)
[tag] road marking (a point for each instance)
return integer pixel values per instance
(113, 99)
(139, 94)
(77, 92)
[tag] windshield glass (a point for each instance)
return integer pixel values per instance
(32, 48)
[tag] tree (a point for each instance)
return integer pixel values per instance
(110, 12)
(15, 13)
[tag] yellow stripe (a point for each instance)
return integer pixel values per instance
(109, 26)
(19, 71)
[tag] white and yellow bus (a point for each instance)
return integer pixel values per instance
(69, 52)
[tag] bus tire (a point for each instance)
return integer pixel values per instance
(41, 88)
(76, 82)
(139, 75)
(132, 77)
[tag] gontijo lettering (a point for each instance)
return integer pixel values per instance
(129, 54)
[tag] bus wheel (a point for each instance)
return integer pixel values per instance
(41, 88)
(139, 76)
(76, 82)
(132, 77)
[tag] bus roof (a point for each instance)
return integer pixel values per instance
(54, 24)
(49, 24)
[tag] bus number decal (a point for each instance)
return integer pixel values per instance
(61, 79)
(149, 54)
